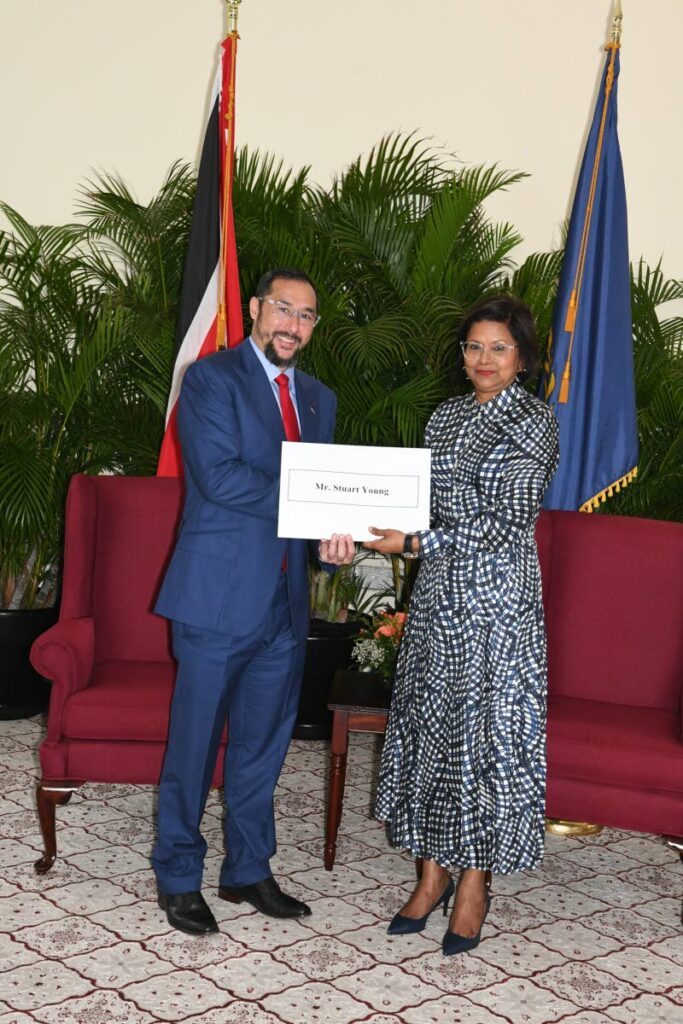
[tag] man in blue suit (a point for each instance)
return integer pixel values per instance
(237, 596)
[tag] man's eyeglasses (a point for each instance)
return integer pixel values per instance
(282, 311)
(472, 350)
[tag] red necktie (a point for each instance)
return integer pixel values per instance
(287, 409)
(290, 421)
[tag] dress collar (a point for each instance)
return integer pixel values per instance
(500, 403)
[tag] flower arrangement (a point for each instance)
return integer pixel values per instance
(376, 649)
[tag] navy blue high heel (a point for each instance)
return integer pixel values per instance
(401, 925)
(453, 943)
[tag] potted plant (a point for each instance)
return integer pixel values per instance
(48, 308)
(83, 324)
(342, 604)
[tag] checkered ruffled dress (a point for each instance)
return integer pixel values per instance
(462, 777)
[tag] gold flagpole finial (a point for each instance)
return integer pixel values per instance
(233, 9)
(617, 19)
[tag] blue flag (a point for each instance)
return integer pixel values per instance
(588, 375)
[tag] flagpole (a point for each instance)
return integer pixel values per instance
(617, 19)
(592, 326)
(228, 127)
(233, 11)
(575, 295)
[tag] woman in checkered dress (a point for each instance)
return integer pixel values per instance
(462, 777)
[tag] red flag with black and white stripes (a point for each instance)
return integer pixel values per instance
(210, 314)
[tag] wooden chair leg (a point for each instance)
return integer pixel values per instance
(48, 795)
(338, 753)
(675, 843)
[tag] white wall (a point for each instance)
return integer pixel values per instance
(123, 86)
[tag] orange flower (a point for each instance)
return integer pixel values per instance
(390, 625)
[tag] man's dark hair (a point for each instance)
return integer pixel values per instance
(289, 274)
(519, 320)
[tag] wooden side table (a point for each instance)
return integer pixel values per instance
(360, 703)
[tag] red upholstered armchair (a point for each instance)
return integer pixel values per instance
(108, 656)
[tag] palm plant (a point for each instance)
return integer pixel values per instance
(658, 355)
(49, 313)
(136, 253)
(86, 322)
(345, 594)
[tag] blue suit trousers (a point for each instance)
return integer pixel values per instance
(254, 681)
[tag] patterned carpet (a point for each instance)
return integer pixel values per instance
(593, 937)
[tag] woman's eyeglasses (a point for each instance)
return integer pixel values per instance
(472, 350)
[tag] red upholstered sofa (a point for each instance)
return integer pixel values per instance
(614, 607)
(613, 594)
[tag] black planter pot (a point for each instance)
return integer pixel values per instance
(22, 691)
(328, 648)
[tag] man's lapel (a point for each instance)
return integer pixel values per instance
(260, 390)
(308, 406)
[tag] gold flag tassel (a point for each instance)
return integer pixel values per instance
(575, 296)
(608, 492)
(221, 321)
(564, 382)
(570, 318)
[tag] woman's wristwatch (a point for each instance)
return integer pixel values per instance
(408, 546)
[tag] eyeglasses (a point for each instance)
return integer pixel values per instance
(282, 311)
(472, 350)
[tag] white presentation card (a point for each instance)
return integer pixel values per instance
(343, 488)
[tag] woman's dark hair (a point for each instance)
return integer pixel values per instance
(289, 274)
(519, 320)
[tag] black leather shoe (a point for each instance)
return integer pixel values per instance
(266, 896)
(188, 912)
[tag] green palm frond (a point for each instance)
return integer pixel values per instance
(455, 232)
(261, 182)
(372, 249)
(403, 171)
(650, 287)
(133, 239)
(658, 362)
(370, 348)
(411, 405)
(22, 231)
(27, 496)
(76, 375)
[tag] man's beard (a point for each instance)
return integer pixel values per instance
(272, 356)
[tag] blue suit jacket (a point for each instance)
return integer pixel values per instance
(227, 560)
